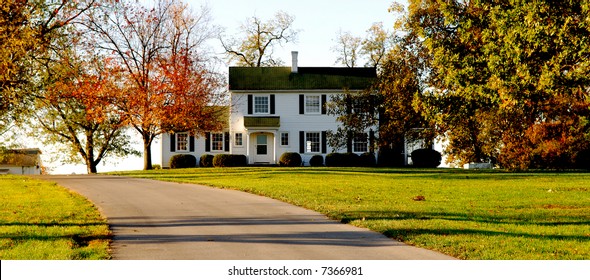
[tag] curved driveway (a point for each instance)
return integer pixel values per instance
(160, 220)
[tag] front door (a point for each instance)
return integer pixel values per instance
(263, 149)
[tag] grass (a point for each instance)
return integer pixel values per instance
(466, 214)
(43, 221)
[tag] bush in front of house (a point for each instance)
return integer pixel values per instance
(582, 159)
(333, 159)
(426, 158)
(183, 161)
(316, 161)
(367, 160)
(390, 158)
(290, 160)
(206, 161)
(342, 160)
(225, 160)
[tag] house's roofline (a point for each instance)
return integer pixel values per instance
(294, 91)
(306, 78)
(26, 151)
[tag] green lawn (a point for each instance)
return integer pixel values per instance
(42, 221)
(466, 214)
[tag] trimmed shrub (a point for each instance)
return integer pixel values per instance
(206, 161)
(351, 160)
(225, 160)
(316, 161)
(582, 159)
(367, 160)
(390, 158)
(183, 161)
(426, 158)
(333, 159)
(290, 160)
(342, 160)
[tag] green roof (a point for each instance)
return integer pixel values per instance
(262, 122)
(307, 78)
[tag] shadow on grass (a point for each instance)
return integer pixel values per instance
(346, 217)
(403, 234)
(462, 217)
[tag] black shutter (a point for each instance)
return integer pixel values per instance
(371, 141)
(250, 104)
(208, 142)
(324, 142)
(226, 141)
(301, 142)
(191, 143)
(272, 104)
(348, 104)
(301, 104)
(324, 100)
(173, 142)
(349, 142)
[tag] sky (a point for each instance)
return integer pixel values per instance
(318, 22)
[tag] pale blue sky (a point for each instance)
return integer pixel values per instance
(318, 21)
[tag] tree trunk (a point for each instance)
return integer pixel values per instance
(147, 154)
(91, 167)
(90, 162)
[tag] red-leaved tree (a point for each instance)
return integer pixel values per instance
(170, 86)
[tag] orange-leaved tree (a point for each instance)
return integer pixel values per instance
(169, 84)
(78, 109)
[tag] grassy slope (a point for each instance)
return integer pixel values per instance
(40, 220)
(466, 214)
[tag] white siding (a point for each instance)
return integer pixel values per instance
(287, 108)
(198, 151)
(20, 170)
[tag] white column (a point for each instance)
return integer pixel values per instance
(248, 147)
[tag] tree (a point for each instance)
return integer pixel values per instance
(356, 112)
(254, 46)
(505, 89)
(376, 45)
(78, 108)
(27, 30)
(169, 85)
(348, 48)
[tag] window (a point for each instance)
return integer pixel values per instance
(261, 105)
(284, 138)
(312, 104)
(238, 139)
(182, 142)
(359, 143)
(217, 142)
(312, 141)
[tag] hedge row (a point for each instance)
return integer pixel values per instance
(350, 160)
(221, 160)
(425, 158)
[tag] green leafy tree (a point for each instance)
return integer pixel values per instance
(501, 85)
(28, 29)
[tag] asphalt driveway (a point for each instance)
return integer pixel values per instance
(159, 220)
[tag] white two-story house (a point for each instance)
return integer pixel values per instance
(274, 110)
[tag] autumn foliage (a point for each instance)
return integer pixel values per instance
(506, 83)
